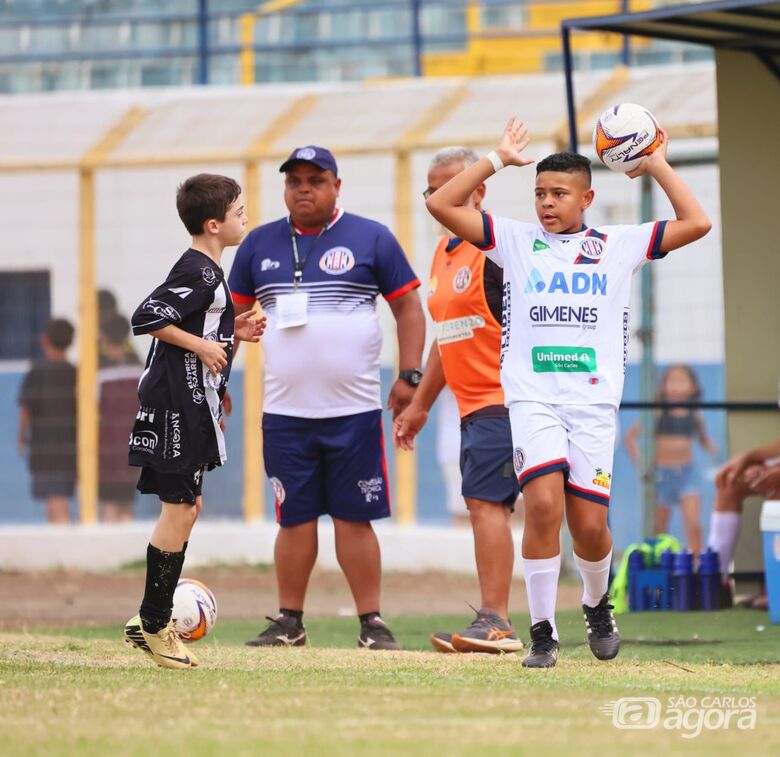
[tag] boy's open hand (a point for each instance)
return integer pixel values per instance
(213, 356)
(247, 328)
(655, 159)
(513, 141)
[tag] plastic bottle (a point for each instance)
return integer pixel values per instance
(636, 564)
(709, 580)
(683, 582)
(666, 564)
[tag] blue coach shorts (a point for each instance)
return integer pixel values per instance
(326, 466)
(486, 461)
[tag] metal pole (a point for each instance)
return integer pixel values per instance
(625, 53)
(203, 42)
(568, 67)
(647, 376)
(417, 42)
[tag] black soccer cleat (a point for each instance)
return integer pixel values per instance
(282, 631)
(374, 634)
(544, 648)
(603, 635)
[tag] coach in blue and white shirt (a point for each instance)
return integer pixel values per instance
(317, 274)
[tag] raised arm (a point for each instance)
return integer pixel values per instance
(691, 222)
(446, 204)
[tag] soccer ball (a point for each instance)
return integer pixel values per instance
(624, 135)
(194, 609)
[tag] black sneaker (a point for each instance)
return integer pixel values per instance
(603, 635)
(374, 634)
(488, 632)
(544, 649)
(283, 631)
(442, 642)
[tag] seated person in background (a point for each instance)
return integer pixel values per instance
(755, 472)
(677, 480)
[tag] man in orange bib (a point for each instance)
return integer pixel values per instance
(465, 301)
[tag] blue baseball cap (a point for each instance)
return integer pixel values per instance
(319, 156)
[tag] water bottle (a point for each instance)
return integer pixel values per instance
(666, 564)
(636, 564)
(683, 582)
(709, 580)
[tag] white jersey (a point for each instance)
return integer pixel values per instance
(567, 308)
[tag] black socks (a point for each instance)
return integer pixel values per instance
(368, 617)
(162, 574)
(296, 614)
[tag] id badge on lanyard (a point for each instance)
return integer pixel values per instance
(293, 309)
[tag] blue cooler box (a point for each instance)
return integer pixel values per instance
(770, 528)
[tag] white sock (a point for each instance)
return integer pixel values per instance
(541, 584)
(595, 578)
(724, 532)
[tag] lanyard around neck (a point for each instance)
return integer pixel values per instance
(299, 264)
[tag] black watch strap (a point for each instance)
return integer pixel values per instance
(412, 377)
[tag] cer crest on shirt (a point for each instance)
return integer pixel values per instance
(337, 260)
(462, 280)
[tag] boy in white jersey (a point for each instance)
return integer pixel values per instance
(563, 354)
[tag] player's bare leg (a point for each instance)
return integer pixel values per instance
(357, 550)
(661, 518)
(691, 512)
(593, 555)
(544, 505)
(295, 553)
(494, 550)
(58, 510)
(495, 553)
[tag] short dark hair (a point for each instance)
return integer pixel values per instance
(106, 302)
(115, 328)
(565, 162)
(59, 332)
(205, 196)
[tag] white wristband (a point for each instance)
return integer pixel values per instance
(498, 164)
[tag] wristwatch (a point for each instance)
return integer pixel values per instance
(412, 378)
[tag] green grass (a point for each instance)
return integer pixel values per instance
(80, 691)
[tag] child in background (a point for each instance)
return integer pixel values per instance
(676, 478)
(47, 422)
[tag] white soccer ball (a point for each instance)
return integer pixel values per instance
(194, 609)
(624, 135)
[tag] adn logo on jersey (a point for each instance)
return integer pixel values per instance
(337, 260)
(462, 280)
(602, 478)
(578, 282)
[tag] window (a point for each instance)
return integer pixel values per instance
(25, 307)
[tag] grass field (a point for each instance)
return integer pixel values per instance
(81, 691)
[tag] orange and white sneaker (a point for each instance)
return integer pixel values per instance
(164, 647)
(488, 632)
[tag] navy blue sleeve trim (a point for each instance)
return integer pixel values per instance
(654, 248)
(487, 230)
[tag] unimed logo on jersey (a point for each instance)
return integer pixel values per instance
(337, 260)
(563, 359)
(579, 282)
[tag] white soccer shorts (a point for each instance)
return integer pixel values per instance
(576, 439)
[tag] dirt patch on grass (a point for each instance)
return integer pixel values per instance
(64, 598)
